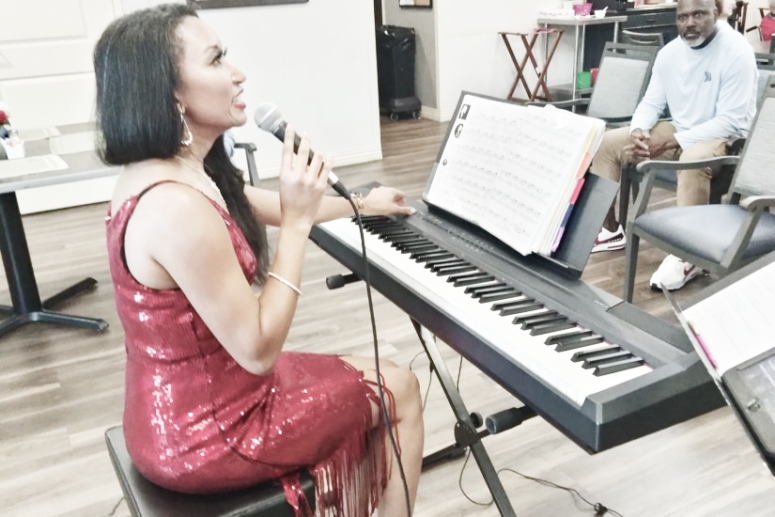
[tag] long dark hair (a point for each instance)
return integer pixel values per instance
(136, 64)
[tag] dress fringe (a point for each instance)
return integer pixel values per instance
(349, 483)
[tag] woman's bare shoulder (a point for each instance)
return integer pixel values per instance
(134, 179)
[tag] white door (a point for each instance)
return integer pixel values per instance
(47, 78)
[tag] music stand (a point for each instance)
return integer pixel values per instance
(748, 387)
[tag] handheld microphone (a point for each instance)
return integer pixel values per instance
(269, 118)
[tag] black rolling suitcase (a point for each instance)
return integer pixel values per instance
(395, 72)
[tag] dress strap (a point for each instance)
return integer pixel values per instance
(156, 184)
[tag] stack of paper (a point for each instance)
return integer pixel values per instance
(513, 170)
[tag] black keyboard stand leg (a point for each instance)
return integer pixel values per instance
(465, 431)
(460, 446)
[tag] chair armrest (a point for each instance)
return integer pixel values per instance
(735, 145)
(757, 202)
(649, 165)
(616, 119)
(250, 148)
(560, 104)
(754, 207)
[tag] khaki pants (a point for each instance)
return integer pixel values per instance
(693, 184)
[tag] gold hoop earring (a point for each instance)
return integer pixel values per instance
(189, 136)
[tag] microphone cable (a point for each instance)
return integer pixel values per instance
(380, 389)
(599, 508)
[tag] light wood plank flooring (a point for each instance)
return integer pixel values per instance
(61, 388)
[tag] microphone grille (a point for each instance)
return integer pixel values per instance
(268, 117)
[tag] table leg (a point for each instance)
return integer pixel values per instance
(582, 46)
(575, 63)
(25, 297)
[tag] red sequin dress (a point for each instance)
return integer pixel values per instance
(197, 422)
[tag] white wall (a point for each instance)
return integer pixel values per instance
(317, 62)
(470, 53)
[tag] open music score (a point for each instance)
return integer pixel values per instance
(514, 170)
(733, 325)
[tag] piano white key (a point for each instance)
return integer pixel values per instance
(530, 352)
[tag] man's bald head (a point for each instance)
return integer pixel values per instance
(696, 20)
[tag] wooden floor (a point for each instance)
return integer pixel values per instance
(61, 388)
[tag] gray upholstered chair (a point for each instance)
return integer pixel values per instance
(144, 499)
(622, 77)
(718, 238)
(666, 177)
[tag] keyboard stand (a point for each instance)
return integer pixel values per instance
(465, 432)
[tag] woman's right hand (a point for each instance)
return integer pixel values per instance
(301, 186)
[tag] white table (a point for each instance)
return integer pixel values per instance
(27, 306)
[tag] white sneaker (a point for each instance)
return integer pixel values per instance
(673, 273)
(610, 241)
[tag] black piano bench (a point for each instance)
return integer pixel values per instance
(145, 499)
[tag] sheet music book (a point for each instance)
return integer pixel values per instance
(514, 170)
(730, 329)
(733, 325)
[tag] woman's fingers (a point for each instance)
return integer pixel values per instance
(302, 155)
(287, 156)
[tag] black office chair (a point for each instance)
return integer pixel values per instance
(144, 499)
(718, 238)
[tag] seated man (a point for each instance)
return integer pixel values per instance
(707, 79)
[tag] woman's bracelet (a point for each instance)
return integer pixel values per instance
(358, 201)
(284, 281)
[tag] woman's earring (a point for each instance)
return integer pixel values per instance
(189, 136)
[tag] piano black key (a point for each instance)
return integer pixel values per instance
(579, 343)
(415, 246)
(494, 297)
(446, 264)
(408, 238)
(370, 218)
(474, 290)
(618, 366)
(430, 264)
(376, 227)
(526, 305)
(528, 319)
(382, 224)
(555, 340)
(388, 235)
(462, 276)
(432, 255)
(551, 327)
(448, 270)
(598, 352)
(418, 254)
(606, 359)
(499, 306)
(473, 280)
